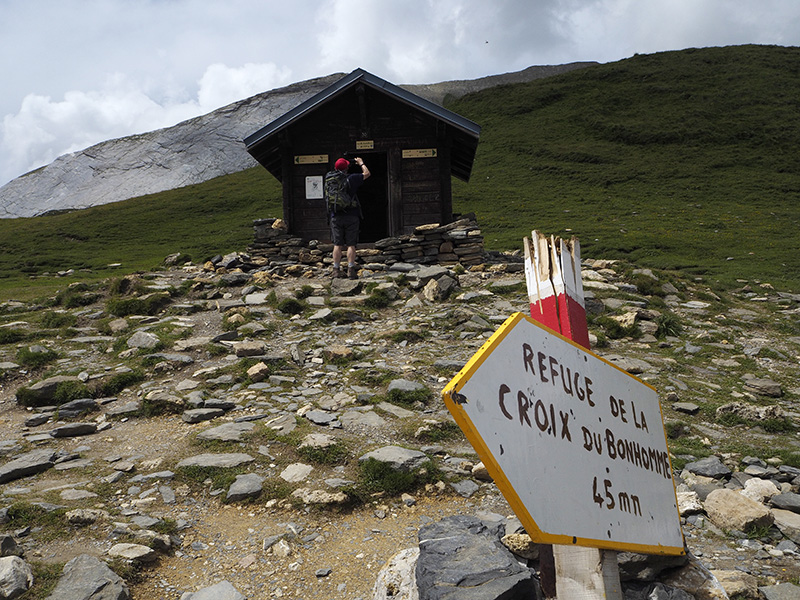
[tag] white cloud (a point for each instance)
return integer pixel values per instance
(78, 72)
(44, 129)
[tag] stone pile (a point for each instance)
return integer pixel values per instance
(459, 242)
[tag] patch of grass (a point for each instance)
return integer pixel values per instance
(221, 478)
(291, 306)
(9, 335)
(52, 524)
(376, 476)
(45, 579)
(614, 330)
(668, 324)
(378, 298)
(434, 432)
(406, 335)
(150, 304)
(373, 377)
(304, 292)
(58, 320)
(409, 398)
(116, 383)
(335, 454)
(35, 360)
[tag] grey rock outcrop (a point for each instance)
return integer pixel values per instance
(460, 558)
(88, 577)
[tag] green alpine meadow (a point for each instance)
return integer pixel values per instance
(684, 161)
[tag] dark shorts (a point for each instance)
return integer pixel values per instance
(344, 228)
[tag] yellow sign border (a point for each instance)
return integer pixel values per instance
(450, 395)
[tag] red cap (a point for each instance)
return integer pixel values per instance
(342, 164)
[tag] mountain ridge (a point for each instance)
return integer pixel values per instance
(192, 151)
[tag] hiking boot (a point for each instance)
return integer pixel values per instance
(352, 273)
(337, 273)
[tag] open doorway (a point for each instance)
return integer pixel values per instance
(374, 198)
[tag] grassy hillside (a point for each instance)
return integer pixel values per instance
(684, 160)
(200, 220)
(681, 160)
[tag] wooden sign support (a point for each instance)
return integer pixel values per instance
(555, 292)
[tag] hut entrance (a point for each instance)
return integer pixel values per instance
(374, 198)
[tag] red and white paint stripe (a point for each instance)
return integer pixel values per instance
(555, 287)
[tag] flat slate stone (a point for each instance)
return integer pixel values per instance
(782, 591)
(223, 590)
(74, 430)
(245, 486)
(198, 415)
(709, 467)
(787, 501)
(320, 417)
(35, 461)
(227, 432)
(399, 458)
(216, 460)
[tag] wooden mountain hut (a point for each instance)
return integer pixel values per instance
(411, 146)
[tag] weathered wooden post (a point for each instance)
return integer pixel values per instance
(555, 292)
(575, 444)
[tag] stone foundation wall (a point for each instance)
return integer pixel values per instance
(459, 242)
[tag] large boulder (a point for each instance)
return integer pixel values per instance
(463, 559)
(729, 509)
(88, 577)
(16, 577)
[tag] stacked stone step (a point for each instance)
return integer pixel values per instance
(458, 242)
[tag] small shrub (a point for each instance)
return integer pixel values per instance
(146, 305)
(668, 325)
(615, 330)
(304, 292)
(674, 429)
(67, 391)
(51, 523)
(378, 299)
(376, 476)
(45, 579)
(11, 336)
(291, 306)
(115, 384)
(433, 433)
(647, 286)
(34, 360)
(409, 398)
(221, 478)
(332, 455)
(406, 335)
(56, 320)
(162, 405)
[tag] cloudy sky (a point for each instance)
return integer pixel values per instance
(78, 72)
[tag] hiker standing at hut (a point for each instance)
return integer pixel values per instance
(345, 212)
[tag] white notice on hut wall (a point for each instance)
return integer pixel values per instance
(314, 187)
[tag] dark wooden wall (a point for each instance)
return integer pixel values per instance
(417, 190)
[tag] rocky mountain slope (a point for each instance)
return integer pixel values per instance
(209, 428)
(190, 152)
